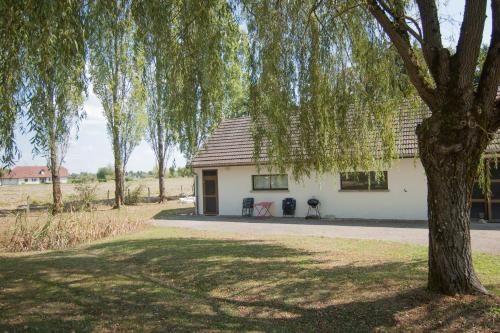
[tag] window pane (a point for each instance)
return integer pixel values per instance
(477, 192)
(354, 181)
(279, 182)
(494, 170)
(210, 186)
(378, 180)
(477, 210)
(261, 182)
(209, 172)
(495, 190)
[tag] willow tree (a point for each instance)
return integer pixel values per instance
(207, 44)
(12, 39)
(340, 69)
(55, 79)
(156, 36)
(115, 68)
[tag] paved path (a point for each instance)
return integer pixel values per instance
(485, 237)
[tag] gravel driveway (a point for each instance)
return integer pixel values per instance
(485, 237)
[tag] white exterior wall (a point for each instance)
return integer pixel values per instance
(10, 181)
(405, 199)
(20, 181)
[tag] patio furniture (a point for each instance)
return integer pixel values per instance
(313, 211)
(288, 205)
(247, 208)
(262, 209)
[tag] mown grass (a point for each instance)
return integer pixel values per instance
(167, 279)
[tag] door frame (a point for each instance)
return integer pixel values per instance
(210, 177)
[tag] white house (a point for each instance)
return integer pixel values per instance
(32, 175)
(225, 174)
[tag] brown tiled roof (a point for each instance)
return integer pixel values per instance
(20, 172)
(232, 142)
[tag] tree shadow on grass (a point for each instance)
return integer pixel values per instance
(190, 284)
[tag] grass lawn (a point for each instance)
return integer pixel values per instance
(167, 279)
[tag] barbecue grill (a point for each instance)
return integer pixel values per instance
(313, 211)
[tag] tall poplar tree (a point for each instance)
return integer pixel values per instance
(156, 36)
(55, 78)
(340, 70)
(115, 67)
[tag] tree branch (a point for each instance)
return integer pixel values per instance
(436, 57)
(469, 43)
(490, 74)
(401, 41)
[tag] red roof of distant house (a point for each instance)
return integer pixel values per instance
(20, 172)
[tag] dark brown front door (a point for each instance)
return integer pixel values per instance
(210, 193)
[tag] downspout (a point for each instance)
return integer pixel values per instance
(196, 211)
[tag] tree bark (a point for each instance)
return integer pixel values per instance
(161, 160)
(450, 156)
(57, 204)
(119, 180)
(161, 177)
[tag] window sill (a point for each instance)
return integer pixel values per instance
(365, 191)
(273, 191)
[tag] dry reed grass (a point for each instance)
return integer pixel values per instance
(66, 230)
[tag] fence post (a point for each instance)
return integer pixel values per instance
(108, 198)
(149, 194)
(28, 204)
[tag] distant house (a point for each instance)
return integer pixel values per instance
(32, 175)
(226, 174)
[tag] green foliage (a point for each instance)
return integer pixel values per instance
(55, 73)
(184, 172)
(171, 172)
(13, 36)
(325, 88)
(105, 173)
(134, 196)
(115, 67)
(156, 35)
(82, 178)
(85, 196)
(193, 50)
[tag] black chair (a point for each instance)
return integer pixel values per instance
(313, 211)
(247, 209)
(288, 205)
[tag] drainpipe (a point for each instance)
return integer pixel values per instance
(196, 211)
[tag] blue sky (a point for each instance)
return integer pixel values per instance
(92, 148)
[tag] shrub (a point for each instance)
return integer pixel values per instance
(133, 196)
(83, 177)
(105, 173)
(85, 196)
(65, 230)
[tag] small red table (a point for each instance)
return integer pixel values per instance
(262, 209)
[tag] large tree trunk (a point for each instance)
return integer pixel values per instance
(119, 177)
(57, 204)
(450, 158)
